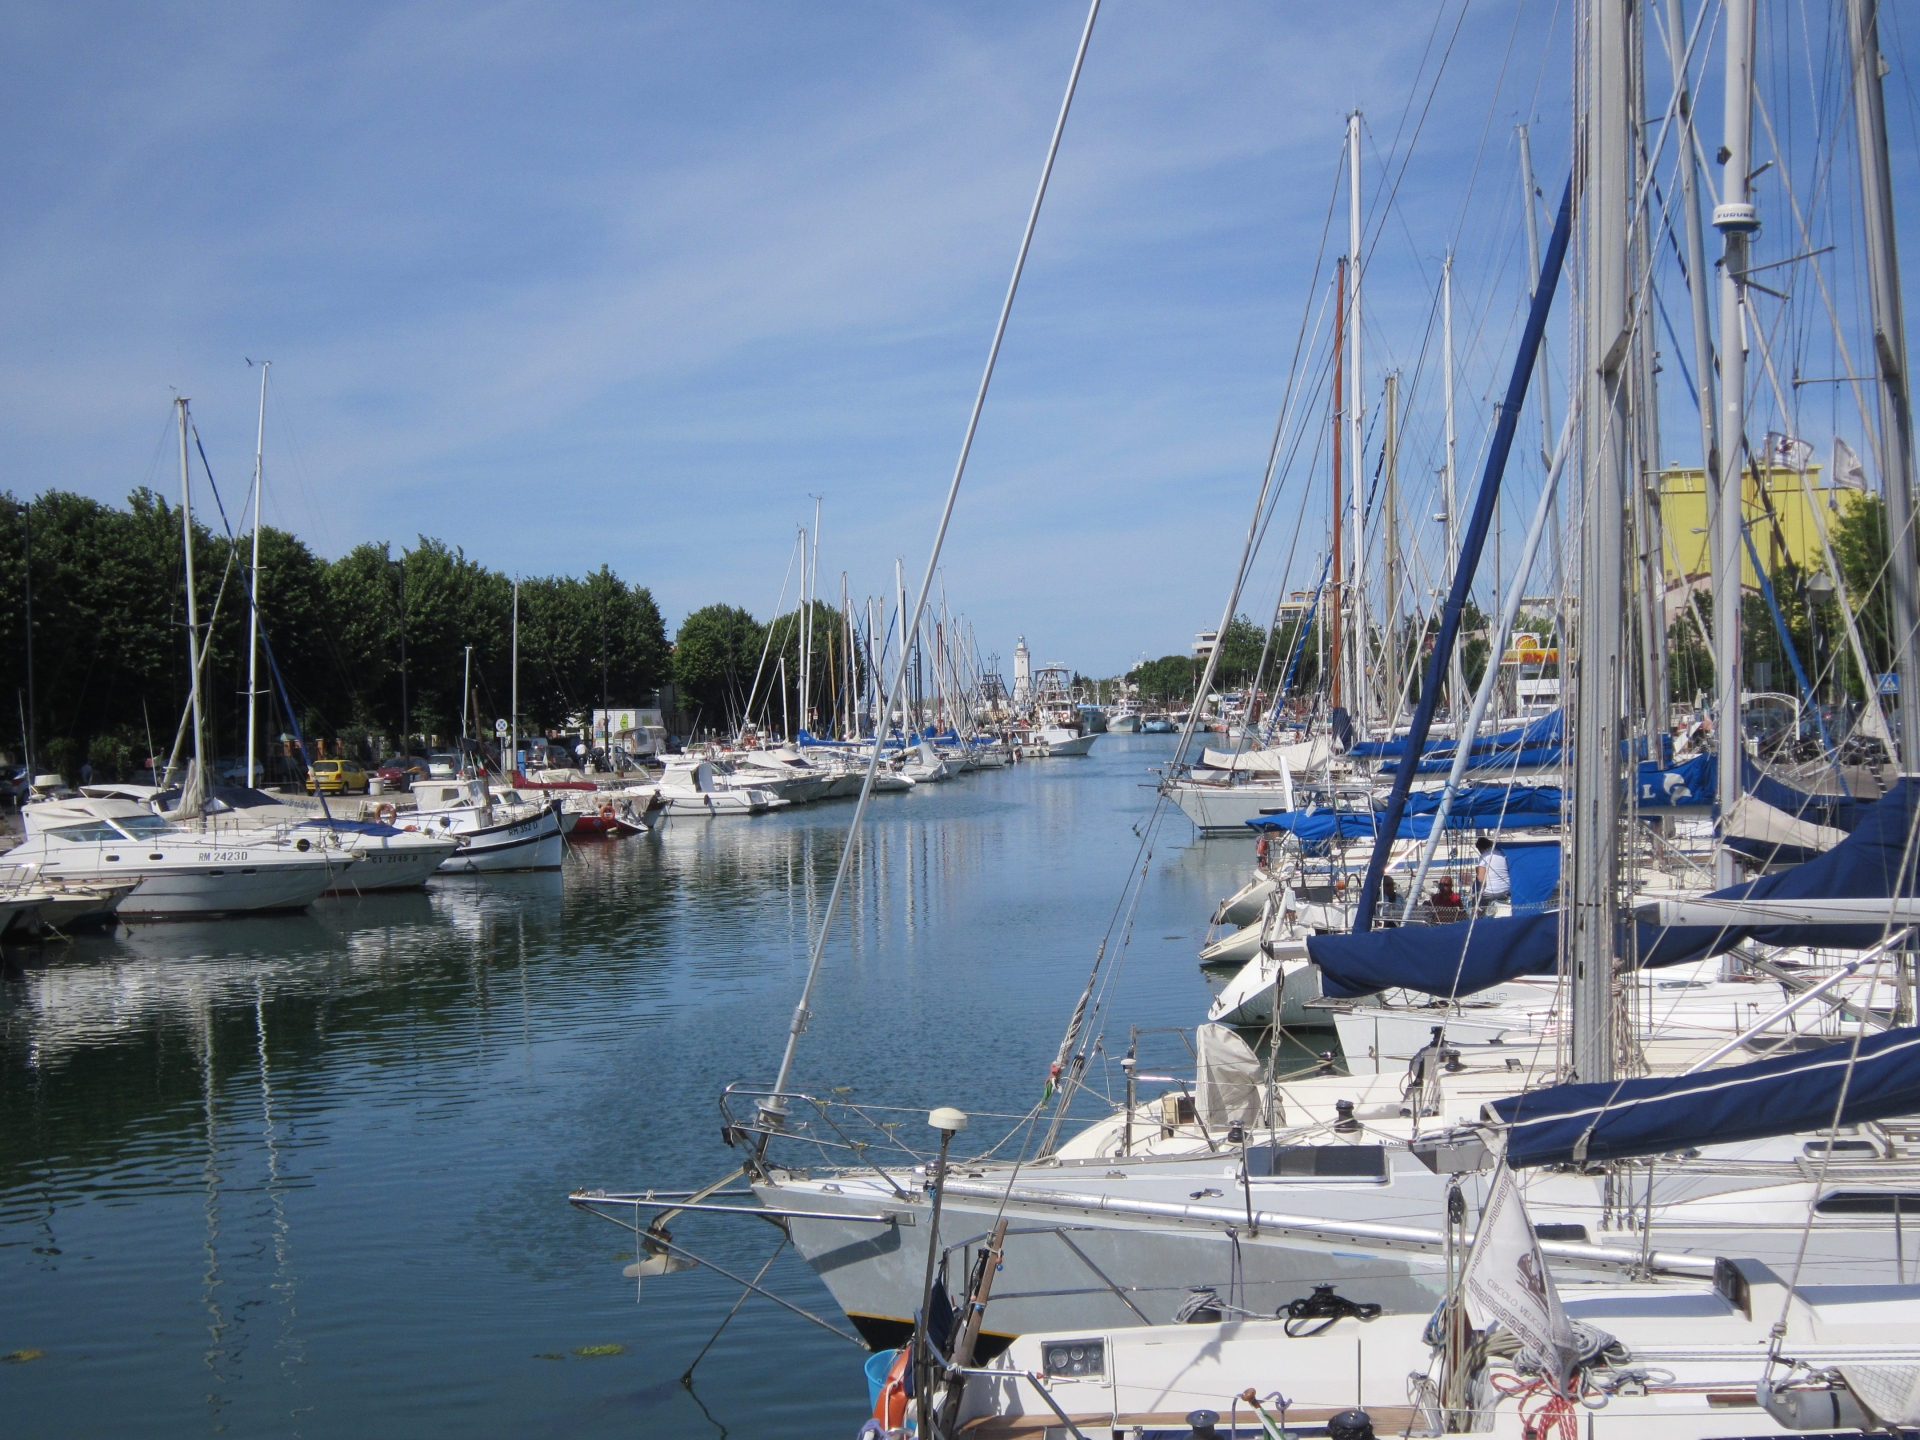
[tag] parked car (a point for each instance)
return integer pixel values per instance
(398, 772)
(337, 777)
(441, 766)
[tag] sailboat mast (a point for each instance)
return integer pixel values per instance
(1736, 220)
(1356, 423)
(1390, 505)
(813, 598)
(1697, 266)
(1339, 514)
(1529, 189)
(1890, 349)
(513, 700)
(193, 603)
(1604, 419)
(1456, 685)
(1646, 515)
(900, 588)
(253, 619)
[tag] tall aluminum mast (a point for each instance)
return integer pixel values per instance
(1456, 683)
(1646, 407)
(191, 795)
(1390, 514)
(1737, 221)
(1890, 350)
(1606, 460)
(253, 623)
(1361, 645)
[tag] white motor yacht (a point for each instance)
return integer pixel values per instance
(787, 772)
(387, 857)
(494, 832)
(176, 873)
(692, 787)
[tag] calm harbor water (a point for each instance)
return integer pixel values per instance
(306, 1176)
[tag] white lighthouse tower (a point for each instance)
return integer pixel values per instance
(1022, 673)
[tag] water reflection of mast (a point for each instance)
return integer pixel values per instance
(210, 1280)
(293, 1351)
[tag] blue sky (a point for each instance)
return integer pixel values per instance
(566, 284)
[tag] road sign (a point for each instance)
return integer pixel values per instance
(499, 727)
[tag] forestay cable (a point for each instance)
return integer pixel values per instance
(775, 1107)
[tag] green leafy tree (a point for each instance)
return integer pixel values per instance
(1240, 647)
(1859, 538)
(587, 643)
(714, 656)
(1167, 681)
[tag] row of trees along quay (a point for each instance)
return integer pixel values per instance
(370, 647)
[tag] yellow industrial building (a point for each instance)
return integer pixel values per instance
(1792, 497)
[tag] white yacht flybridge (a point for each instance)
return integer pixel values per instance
(179, 873)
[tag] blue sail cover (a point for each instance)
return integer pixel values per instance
(1545, 731)
(1691, 782)
(1873, 863)
(1573, 1124)
(1491, 807)
(1444, 960)
(1836, 812)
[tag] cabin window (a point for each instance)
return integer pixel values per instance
(1818, 1148)
(1870, 1202)
(1330, 1162)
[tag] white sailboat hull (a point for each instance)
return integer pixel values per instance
(1286, 977)
(1226, 809)
(387, 865)
(1061, 743)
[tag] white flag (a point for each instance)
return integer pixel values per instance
(1506, 1280)
(1848, 472)
(1788, 451)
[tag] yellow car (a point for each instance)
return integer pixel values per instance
(337, 777)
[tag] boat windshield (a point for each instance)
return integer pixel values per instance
(141, 826)
(90, 831)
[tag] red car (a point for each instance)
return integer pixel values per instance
(398, 772)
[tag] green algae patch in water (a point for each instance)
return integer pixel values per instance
(21, 1357)
(593, 1352)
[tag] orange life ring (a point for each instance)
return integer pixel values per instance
(386, 813)
(606, 812)
(891, 1408)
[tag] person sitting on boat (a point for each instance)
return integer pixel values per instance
(1445, 897)
(1494, 879)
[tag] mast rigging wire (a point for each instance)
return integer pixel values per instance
(776, 1107)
